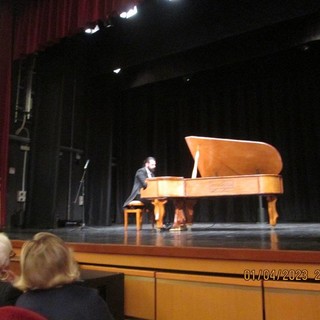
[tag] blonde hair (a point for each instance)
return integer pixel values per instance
(5, 251)
(46, 262)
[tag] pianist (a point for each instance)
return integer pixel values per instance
(147, 171)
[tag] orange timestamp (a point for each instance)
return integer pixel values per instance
(280, 274)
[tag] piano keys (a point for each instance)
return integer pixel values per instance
(227, 168)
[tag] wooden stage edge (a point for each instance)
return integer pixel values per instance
(232, 254)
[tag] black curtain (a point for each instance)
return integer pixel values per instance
(71, 143)
(100, 118)
(45, 150)
(274, 99)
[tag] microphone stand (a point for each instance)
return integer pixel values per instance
(82, 190)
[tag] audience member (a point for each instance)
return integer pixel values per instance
(49, 275)
(8, 293)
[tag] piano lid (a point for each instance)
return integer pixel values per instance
(227, 157)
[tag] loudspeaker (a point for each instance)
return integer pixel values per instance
(69, 223)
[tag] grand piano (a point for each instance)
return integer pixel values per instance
(227, 168)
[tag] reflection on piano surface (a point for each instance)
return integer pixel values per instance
(227, 168)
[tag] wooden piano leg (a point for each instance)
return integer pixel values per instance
(179, 222)
(188, 208)
(159, 211)
(272, 210)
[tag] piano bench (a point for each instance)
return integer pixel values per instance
(136, 207)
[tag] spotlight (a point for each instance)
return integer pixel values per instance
(305, 47)
(130, 13)
(108, 23)
(92, 30)
(117, 70)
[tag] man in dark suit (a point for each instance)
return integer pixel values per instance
(147, 171)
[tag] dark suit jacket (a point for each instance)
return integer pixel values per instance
(139, 182)
(8, 294)
(69, 302)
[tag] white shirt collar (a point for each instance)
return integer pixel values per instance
(149, 173)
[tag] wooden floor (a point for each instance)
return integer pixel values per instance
(258, 241)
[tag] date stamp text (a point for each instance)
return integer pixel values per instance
(280, 274)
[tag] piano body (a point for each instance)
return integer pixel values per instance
(227, 168)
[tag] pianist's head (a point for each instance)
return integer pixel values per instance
(150, 163)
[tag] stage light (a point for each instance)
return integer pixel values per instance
(108, 23)
(92, 30)
(117, 70)
(130, 13)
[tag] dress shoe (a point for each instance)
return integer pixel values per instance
(166, 227)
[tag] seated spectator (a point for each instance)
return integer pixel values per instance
(49, 277)
(8, 293)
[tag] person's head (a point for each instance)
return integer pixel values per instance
(5, 251)
(150, 163)
(46, 262)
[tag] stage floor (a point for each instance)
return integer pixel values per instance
(284, 236)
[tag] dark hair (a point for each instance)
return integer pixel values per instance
(148, 160)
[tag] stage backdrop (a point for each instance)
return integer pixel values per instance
(82, 114)
(273, 99)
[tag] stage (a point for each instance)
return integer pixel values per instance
(264, 271)
(284, 237)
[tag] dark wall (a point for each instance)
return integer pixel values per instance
(55, 134)
(58, 131)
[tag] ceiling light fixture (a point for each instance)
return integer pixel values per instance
(92, 30)
(130, 13)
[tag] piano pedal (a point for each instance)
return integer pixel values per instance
(179, 228)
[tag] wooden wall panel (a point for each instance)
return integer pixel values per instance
(206, 298)
(292, 300)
